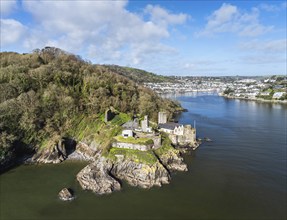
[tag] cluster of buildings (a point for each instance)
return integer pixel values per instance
(244, 87)
(185, 85)
(253, 89)
(134, 131)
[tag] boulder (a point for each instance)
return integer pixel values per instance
(66, 194)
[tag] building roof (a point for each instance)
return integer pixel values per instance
(169, 125)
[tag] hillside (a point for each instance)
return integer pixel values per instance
(137, 75)
(49, 95)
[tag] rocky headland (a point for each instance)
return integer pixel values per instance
(104, 175)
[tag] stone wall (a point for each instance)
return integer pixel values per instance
(156, 141)
(140, 147)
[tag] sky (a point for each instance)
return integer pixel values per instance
(179, 37)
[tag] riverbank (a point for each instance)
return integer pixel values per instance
(254, 99)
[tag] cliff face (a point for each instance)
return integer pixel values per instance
(56, 153)
(172, 161)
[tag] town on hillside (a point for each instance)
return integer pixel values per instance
(265, 88)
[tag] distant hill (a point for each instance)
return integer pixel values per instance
(138, 75)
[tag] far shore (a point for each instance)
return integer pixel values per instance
(275, 101)
(255, 99)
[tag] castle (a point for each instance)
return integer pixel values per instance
(179, 134)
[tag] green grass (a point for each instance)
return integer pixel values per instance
(93, 128)
(120, 119)
(146, 157)
(166, 146)
(132, 140)
(87, 126)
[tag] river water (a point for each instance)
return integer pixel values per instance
(240, 175)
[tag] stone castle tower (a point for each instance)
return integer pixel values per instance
(162, 118)
(144, 124)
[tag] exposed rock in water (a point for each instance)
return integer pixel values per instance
(173, 161)
(139, 174)
(66, 194)
(96, 177)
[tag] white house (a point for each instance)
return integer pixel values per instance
(278, 95)
(127, 133)
(172, 128)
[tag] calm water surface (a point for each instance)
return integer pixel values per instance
(240, 175)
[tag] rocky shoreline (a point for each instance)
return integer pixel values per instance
(103, 175)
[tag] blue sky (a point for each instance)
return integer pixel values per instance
(166, 37)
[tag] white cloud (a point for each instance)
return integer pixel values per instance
(149, 51)
(228, 18)
(7, 6)
(264, 59)
(11, 31)
(161, 16)
(103, 29)
(271, 46)
(273, 7)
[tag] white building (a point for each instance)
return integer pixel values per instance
(127, 133)
(172, 128)
(278, 95)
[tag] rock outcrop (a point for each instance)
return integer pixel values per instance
(96, 177)
(173, 161)
(84, 151)
(101, 175)
(139, 174)
(66, 194)
(54, 154)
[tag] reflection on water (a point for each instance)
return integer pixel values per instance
(187, 94)
(240, 175)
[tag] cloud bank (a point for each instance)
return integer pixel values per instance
(229, 19)
(102, 30)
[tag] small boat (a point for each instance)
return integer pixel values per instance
(207, 139)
